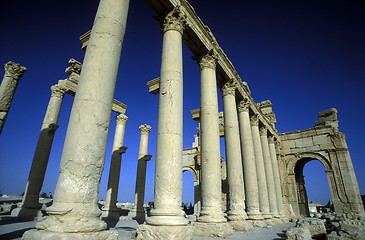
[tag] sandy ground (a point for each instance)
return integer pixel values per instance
(10, 229)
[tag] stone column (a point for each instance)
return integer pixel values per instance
(75, 213)
(277, 181)
(138, 211)
(167, 218)
(211, 210)
(197, 198)
(260, 169)
(268, 172)
(13, 73)
(248, 159)
(30, 208)
(110, 210)
(236, 211)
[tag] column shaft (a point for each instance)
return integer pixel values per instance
(13, 73)
(260, 169)
(268, 172)
(138, 209)
(277, 181)
(30, 205)
(248, 159)
(168, 173)
(75, 206)
(236, 206)
(114, 173)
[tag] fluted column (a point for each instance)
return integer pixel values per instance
(276, 174)
(75, 208)
(248, 159)
(138, 211)
(168, 173)
(211, 210)
(260, 168)
(110, 210)
(268, 172)
(236, 211)
(30, 205)
(13, 73)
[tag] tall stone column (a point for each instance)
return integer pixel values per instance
(30, 207)
(268, 172)
(260, 169)
(75, 213)
(277, 182)
(138, 211)
(167, 218)
(197, 198)
(211, 218)
(13, 73)
(248, 159)
(236, 211)
(110, 210)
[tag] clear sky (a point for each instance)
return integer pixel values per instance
(304, 56)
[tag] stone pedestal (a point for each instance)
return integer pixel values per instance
(30, 208)
(268, 172)
(236, 211)
(260, 169)
(75, 210)
(211, 209)
(13, 73)
(248, 159)
(138, 211)
(110, 210)
(168, 174)
(150, 232)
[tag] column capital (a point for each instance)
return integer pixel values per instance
(271, 139)
(243, 105)
(146, 158)
(14, 70)
(75, 67)
(229, 88)
(145, 129)
(121, 119)
(58, 91)
(208, 60)
(254, 120)
(122, 149)
(175, 20)
(263, 131)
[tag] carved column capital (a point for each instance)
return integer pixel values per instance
(14, 70)
(229, 88)
(208, 60)
(145, 129)
(58, 91)
(254, 120)
(271, 139)
(121, 119)
(75, 67)
(175, 20)
(263, 131)
(244, 105)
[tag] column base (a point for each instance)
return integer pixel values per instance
(236, 215)
(35, 234)
(211, 216)
(259, 223)
(137, 215)
(111, 214)
(254, 216)
(219, 230)
(149, 232)
(27, 213)
(241, 226)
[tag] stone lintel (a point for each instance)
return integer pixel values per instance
(84, 38)
(154, 86)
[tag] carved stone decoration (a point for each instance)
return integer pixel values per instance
(263, 131)
(229, 88)
(122, 119)
(58, 91)
(145, 129)
(271, 139)
(244, 105)
(254, 120)
(75, 67)
(207, 61)
(14, 70)
(175, 20)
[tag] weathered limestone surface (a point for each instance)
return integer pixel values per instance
(150, 232)
(219, 230)
(13, 73)
(110, 210)
(236, 211)
(75, 208)
(30, 208)
(168, 173)
(138, 211)
(211, 210)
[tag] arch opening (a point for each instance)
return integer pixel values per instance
(188, 191)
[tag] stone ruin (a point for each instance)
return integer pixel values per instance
(260, 183)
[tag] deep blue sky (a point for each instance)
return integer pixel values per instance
(305, 56)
